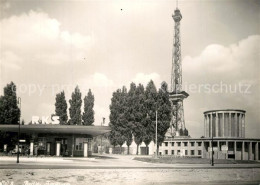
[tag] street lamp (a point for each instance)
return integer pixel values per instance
(212, 151)
(18, 151)
(156, 134)
(101, 151)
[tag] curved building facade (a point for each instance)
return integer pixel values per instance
(224, 123)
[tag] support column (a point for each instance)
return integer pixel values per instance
(250, 151)
(227, 150)
(235, 149)
(216, 125)
(243, 125)
(235, 120)
(207, 126)
(58, 149)
(205, 122)
(211, 125)
(256, 151)
(72, 145)
(243, 150)
(223, 124)
(239, 125)
(229, 125)
(31, 147)
(202, 149)
(85, 148)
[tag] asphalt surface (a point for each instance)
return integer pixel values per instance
(104, 162)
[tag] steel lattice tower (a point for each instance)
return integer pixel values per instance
(177, 95)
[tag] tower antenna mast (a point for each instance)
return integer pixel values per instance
(177, 94)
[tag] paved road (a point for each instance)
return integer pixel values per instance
(119, 169)
(104, 162)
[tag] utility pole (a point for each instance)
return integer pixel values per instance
(18, 151)
(156, 134)
(101, 150)
(212, 152)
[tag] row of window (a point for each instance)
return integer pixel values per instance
(192, 152)
(179, 143)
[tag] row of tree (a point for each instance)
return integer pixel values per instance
(10, 112)
(133, 114)
(76, 118)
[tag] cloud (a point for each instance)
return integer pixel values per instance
(35, 37)
(237, 60)
(96, 80)
(231, 66)
(145, 78)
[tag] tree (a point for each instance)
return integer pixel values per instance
(9, 111)
(130, 114)
(117, 116)
(139, 115)
(75, 107)
(61, 108)
(88, 115)
(163, 113)
(150, 109)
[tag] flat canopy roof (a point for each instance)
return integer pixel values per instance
(57, 129)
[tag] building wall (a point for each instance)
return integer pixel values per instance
(238, 149)
(224, 123)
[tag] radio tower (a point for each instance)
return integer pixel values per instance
(176, 94)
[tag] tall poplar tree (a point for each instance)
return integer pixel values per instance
(163, 113)
(61, 108)
(150, 110)
(88, 115)
(136, 103)
(117, 117)
(9, 110)
(75, 107)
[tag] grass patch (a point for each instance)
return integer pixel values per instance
(178, 160)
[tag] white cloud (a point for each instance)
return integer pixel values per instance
(36, 37)
(96, 80)
(237, 60)
(231, 65)
(145, 78)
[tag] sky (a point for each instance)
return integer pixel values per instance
(50, 46)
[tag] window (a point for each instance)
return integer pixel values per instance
(178, 152)
(199, 152)
(172, 143)
(186, 152)
(79, 143)
(166, 143)
(192, 152)
(185, 143)
(166, 152)
(172, 152)
(191, 143)
(179, 143)
(199, 143)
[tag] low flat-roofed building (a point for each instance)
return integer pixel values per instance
(225, 130)
(58, 140)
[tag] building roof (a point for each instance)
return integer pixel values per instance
(57, 129)
(225, 110)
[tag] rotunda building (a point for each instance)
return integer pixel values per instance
(224, 123)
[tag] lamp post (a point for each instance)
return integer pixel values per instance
(18, 151)
(212, 151)
(156, 134)
(103, 122)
